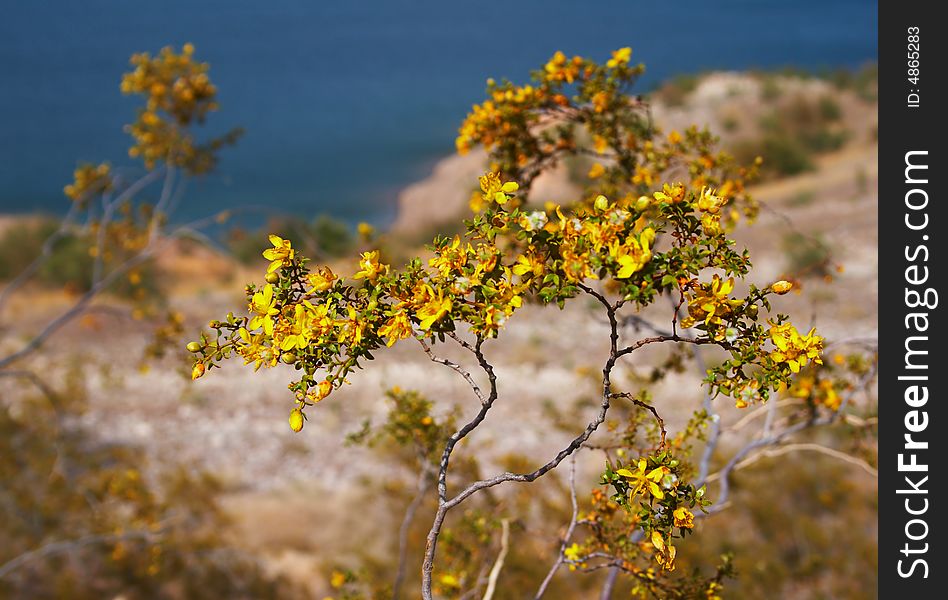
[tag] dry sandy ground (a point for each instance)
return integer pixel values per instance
(233, 422)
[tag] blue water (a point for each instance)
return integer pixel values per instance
(346, 102)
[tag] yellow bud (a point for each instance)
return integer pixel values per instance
(642, 203)
(782, 287)
(194, 346)
(602, 203)
(288, 358)
(197, 371)
(272, 277)
(510, 187)
(296, 420)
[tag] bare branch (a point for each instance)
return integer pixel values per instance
(60, 547)
(569, 531)
(499, 563)
(422, 487)
(36, 381)
(647, 406)
(788, 448)
(455, 367)
(45, 251)
(609, 585)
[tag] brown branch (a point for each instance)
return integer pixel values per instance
(648, 407)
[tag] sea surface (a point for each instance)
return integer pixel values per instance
(343, 102)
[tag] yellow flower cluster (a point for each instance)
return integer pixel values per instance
(793, 349)
(712, 303)
(817, 390)
(89, 180)
(172, 83)
(178, 93)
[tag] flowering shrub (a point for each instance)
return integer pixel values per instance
(653, 226)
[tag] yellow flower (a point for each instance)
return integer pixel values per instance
(711, 303)
(600, 101)
(450, 581)
(684, 518)
(793, 349)
(529, 265)
(337, 580)
(295, 332)
(435, 307)
(619, 58)
(665, 555)
(781, 287)
(634, 254)
(296, 420)
(671, 193)
(281, 255)
(572, 553)
(252, 349)
(451, 259)
(495, 190)
(600, 144)
(596, 171)
(351, 328)
(263, 305)
(197, 371)
(711, 224)
(370, 266)
(365, 230)
(321, 280)
(643, 480)
(396, 328)
(709, 202)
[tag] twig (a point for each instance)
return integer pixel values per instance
(647, 406)
(424, 484)
(787, 448)
(499, 563)
(569, 531)
(69, 545)
(609, 585)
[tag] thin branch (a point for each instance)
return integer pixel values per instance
(445, 505)
(60, 547)
(569, 531)
(455, 367)
(787, 448)
(36, 381)
(423, 485)
(647, 406)
(45, 251)
(609, 585)
(499, 563)
(704, 466)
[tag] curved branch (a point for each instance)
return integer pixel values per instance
(70, 545)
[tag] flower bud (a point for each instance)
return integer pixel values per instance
(296, 420)
(781, 287)
(194, 346)
(197, 371)
(288, 358)
(272, 277)
(602, 203)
